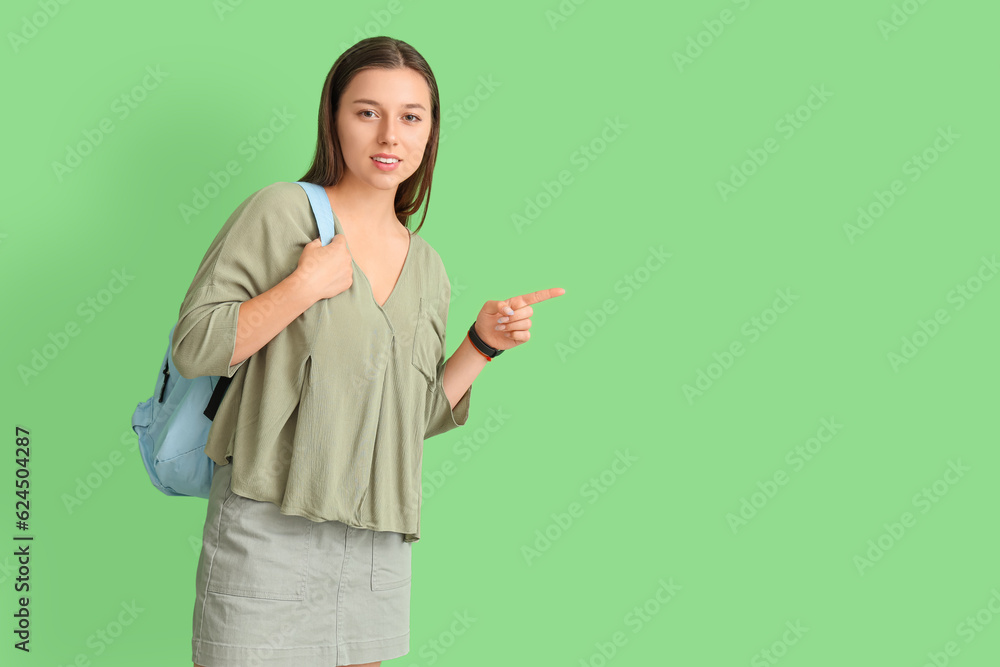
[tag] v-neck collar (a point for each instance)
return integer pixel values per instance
(402, 271)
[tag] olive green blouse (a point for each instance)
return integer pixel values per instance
(328, 419)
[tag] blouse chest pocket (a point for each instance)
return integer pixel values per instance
(428, 340)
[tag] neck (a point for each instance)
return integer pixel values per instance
(357, 201)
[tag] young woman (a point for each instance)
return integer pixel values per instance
(337, 360)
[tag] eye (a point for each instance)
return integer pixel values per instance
(409, 115)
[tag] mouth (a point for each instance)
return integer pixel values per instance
(385, 162)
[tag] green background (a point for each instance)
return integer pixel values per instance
(605, 371)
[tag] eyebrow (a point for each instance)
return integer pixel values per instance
(411, 105)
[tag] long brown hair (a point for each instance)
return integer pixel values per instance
(328, 165)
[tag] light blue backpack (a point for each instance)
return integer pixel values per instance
(173, 424)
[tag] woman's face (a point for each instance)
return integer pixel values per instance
(384, 111)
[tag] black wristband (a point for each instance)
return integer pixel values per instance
(490, 352)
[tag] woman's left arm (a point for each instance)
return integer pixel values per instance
(500, 324)
(461, 369)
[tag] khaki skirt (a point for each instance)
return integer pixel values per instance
(275, 589)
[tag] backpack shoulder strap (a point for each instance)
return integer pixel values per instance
(217, 395)
(320, 203)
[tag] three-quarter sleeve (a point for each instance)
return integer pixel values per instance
(205, 336)
(249, 255)
(441, 417)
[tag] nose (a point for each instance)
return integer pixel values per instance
(386, 133)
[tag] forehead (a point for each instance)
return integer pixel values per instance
(390, 88)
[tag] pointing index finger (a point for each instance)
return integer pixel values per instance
(539, 296)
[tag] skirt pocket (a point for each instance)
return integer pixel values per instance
(262, 553)
(390, 560)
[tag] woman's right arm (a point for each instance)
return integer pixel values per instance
(266, 315)
(248, 288)
(322, 272)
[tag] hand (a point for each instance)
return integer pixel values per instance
(325, 271)
(512, 314)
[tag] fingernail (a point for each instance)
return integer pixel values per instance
(502, 320)
(509, 311)
(501, 327)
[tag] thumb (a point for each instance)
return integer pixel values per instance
(502, 307)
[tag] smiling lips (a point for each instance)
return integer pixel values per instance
(385, 162)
